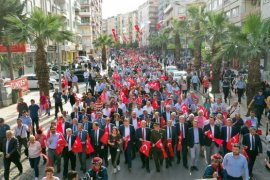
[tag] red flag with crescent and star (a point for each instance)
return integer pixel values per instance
(162, 122)
(77, 145)
(89, 148)
(145, 148)
(179, 144)
(169, 145)
(244, 152)
(210, 136)
(61, 143)
(105, 137)
(232, 141)
(160, 146)
(126, 143)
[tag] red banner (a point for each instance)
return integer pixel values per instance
(16, 48)
(20, 83)
(169, 145)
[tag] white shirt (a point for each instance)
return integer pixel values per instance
(143, 133)
(21, 131)
(139, 112)
(135, 123)
(168, 115)
(123, 107)
(252, 138)
(86, 74)
(106, 112)
(229, 129)
(69, 143)
(169, 130)
(149, 109)
(182, 129)
(212, 129)
(7, 143)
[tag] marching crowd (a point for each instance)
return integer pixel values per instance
(138, 109)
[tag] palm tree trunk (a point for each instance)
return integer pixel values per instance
(42, 70)
(177, 48)
(254, 78)
(10, 60)
(216, 65)
(104, 58)
(197, 54)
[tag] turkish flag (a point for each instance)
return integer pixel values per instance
(179, 145)
(205, 111)
(77, 146)
(138, 100)
(154, 104)
(103, 97)
(232, 141)
(139, 124)
(105, 137)
(117, 84)
(123, 97)
(225, 115)
(210, 135)
(126, 143)
(185, 108)
(59, 128)
(61, 143)
(169, 145)
(145, 148)
(160, 146)
(162, 122)
(244, 152)
(116, 76)
(89, 148)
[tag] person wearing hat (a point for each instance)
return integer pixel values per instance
(215, 169)
(97, 171)
(259, 104)
(156, 135)
(245, 129)
(254, 147)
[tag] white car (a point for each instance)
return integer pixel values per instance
(177, 75)
(54, 75)
(33, 81)
(82, 59)
(171, 69)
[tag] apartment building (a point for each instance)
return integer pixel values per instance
(91, 25)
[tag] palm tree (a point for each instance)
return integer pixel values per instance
(7, 8)
(197, 19)
(104, 41)
(249, 42)
(215, 27)
(177, 29)
(38, 29)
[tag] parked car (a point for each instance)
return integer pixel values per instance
(54, 75)
(79, 74)
(177, 75)
(82, 59)
(33, 81)
(170, 69)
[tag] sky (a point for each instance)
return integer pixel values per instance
(114, 7)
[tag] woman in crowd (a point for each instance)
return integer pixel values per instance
(41, 138)
(114, 142)
(49, 172)
(34, 149)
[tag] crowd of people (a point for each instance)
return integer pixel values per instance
(137, 109)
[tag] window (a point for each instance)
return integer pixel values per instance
(228, 14)
(85, 20)
(84, 9)
(235, 12)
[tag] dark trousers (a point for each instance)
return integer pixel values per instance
(23, 142)
(145, 161)
(105, 155)
(34, 162)
(69, 156)
(184, 152)
(57, 106)
(128, 153)
(54, 158)
(82, 158)
(113, 152)
(240, 93)
(234, 178)
(225, 150)
(1, 143)
(195, 86)
(35, 124)
(7, 161)
(43, 150)
(169, 159)
(158, 157)
(252, 157)
(226, 91)
(259, 111)
(98, 151)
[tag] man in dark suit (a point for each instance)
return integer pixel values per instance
(83, 136)
(254, 147)
(156, 118)
(167, 114)
(107, 127)
(127, 131)
(143, 134)
(76, 114)
(170, 134)
(65, 124)
(83, 114)
(68, 154)
(162, 107)
(182, 128)
(149, 123)
(117, 110)
(195, 143)
(96, 135)
(11, 154)
(227, 132)
(211, 147)
(87, 125)
(144, 115)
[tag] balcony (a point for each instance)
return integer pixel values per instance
(78, 20)
(85, 14)
(60, 2)
(63, 13)
(77, 6)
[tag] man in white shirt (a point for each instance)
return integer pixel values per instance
(123, 107)
(75, 83)
(148, 107)
(86, 77)
(106, 111)
(138, 110)
(20, 133)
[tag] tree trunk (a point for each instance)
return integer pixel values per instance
(104, 58)
(10, 63)
(254, 79)
(177, 48)
(216, 65)
(42, 69)
(197, 48)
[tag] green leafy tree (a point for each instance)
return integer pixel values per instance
(215, 28)
(38, 29)
(104, 41)
(8, 8)
(249, 43)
